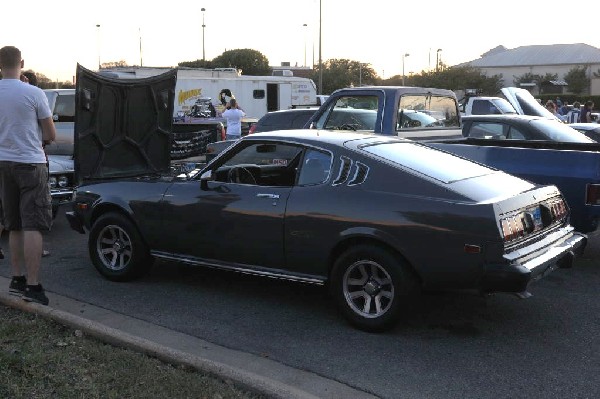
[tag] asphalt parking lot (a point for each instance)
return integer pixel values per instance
(450, 345)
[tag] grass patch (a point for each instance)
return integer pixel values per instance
(40, 358)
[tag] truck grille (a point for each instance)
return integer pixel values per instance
(190, 144)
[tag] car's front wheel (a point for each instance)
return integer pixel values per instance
(117, 249)
(372, 286)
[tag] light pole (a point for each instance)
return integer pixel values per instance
(203, 26)
(359, 74)
(140, 34)
(360, 65)
(320, 59)
(98, 40)
(403, 57)
(305, 26)
(437, 60)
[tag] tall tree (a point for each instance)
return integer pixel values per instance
(197, 64)
(452, 78)
(339, 73)
(251, 62)
(577, 80)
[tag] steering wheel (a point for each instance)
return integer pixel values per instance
(239, 174)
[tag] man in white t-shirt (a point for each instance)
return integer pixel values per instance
(233, 115)
(25, 125)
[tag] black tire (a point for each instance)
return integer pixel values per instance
(371, 286)
(117, 249)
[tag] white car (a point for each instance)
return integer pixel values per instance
(60, 152)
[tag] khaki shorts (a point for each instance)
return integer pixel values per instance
(26, 202)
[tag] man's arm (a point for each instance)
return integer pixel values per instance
(48, 130)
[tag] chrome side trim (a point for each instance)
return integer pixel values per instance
(239, 268)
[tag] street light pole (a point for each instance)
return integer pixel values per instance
(98, 40)
(437, 60)
(140, 33)
(203, 26)
(403, 57)
(359, 74)
(320, 59)
(305, 26)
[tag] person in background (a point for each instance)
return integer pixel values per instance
(564, 110)
(558, 102)
(25, 125)
(29, 77)
(550, 106)
(586, 112)
(574, 113)
(233, 115)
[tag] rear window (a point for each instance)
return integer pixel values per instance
(436, 164)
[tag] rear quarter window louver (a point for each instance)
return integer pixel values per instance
(360, 174)
(344, 171)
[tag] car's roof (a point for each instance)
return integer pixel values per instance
(313, 136)
(292, 111)
(61, 90)
(500, 117)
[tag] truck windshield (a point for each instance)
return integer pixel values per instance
(438, 165)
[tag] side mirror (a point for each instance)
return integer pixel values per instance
(205, 178)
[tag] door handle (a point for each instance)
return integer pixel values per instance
(269, 196)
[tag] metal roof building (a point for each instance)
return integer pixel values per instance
(539, 60)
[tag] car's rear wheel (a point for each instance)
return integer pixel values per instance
(117, 249)
(372, 286)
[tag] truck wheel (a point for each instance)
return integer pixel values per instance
(117, 249)
(372, 287)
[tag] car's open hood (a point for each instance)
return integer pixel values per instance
(524, 103)
(122, 126)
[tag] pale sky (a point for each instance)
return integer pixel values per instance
(55, 35)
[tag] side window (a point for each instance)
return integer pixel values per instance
(262, 164)
(315, 168)
(64, 108)
(483, 130)
(515, 134)
(264, 154)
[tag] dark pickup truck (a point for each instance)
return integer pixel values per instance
(432, 116)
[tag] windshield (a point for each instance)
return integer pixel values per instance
(504, 106)
(557, 131)
(436, 164)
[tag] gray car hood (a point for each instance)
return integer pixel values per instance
(122, 126)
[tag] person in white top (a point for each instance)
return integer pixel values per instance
(233, 115)
(25, 126)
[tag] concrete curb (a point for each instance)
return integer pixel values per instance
(251, 372)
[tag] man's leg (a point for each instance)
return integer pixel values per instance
(32, 246)
(17, 257)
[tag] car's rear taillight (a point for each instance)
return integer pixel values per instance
(252, 129)
(223, 133)
(531, 220)
(512, 227)
(592, 196)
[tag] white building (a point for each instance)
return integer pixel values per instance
(539, 60)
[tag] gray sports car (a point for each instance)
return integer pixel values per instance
(377, 219)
